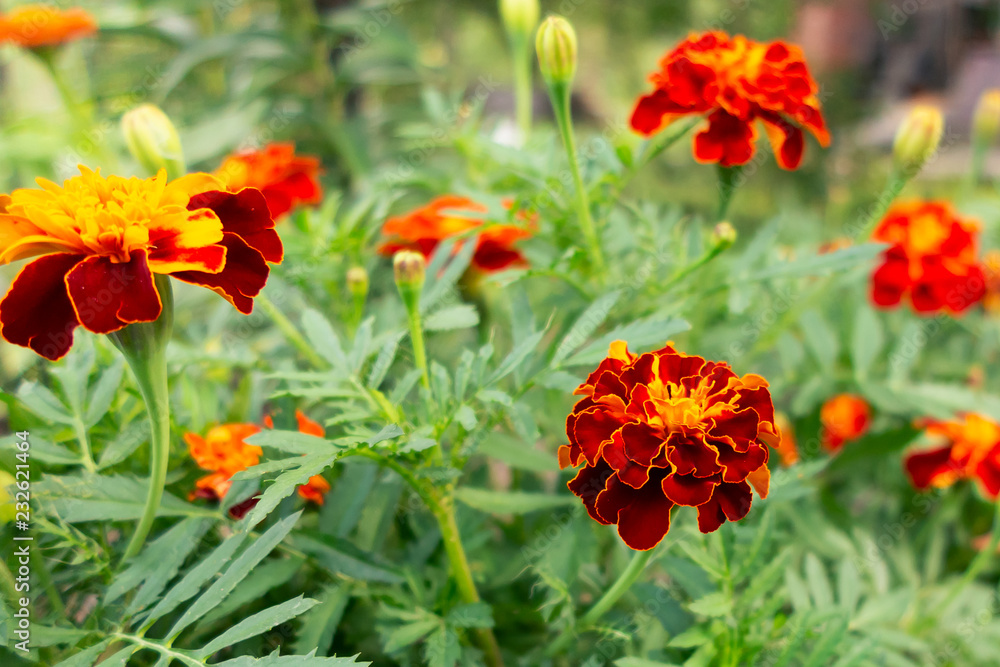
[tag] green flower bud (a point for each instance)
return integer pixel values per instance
(556, 46)
(986, 122)
(6, 497)
(917, 139)
(519, 17)
(409, 268)
(357, 281)
(724, 235)
(153, 141)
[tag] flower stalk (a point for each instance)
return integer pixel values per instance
(144, 346)
(409, 269)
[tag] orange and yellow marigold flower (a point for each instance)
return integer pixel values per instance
(423, 229)
(286, 179)
(932, 260)
(844, 418)
(663, 429)
(735, 82)
(36, 26)
(100, 241)
(971, 451)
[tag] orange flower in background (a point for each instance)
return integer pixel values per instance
(34, 26)
(933, 259)
(845, 418)
(663, 429)
(102, 239)
(787, 447)
(972, 451)
(991, 272)
(286, 179)
(224, 452)
(735, 81)
(315, 489)
(425, 228)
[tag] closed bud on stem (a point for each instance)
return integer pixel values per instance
(153, 141)
(357, 281)
(6, 497)
(556, 46)
(724, 235)
(519, 17)
(986, 122)
(409, 268)
(917, 139)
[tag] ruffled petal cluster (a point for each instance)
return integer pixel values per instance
(971, 451)
(36, 26)
(102, 239)
(425, 228)
(286, 179)
(663, 429)
(844, 418)
(225, 452)
(735, 82)
(933, 259)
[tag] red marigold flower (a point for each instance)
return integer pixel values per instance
(787, 447)
(224, 452)
(933, 259)
(735, 81)
(845, 418)
(425, 228)
(663, 429)
(34, 26)
(102, 239)
(972, 452)
(286, 179)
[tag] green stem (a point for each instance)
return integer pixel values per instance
(419, 351)
(728, 177)
(84, 439)
(897, 181)
(559, 94)
(292, 334)
(978, 564)
(521, 49)
(444, 512)
(8, 585)
(621, 586)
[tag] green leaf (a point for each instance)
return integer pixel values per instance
(511, 502)
(166, 562)
(585, 326)
(717, 604)
(126, 442)
(410, 633)
(89, 497)
(321, 335)
(268, 575)
(275, 660)
(848, 585)
(46, 451)
(466, 416)
(287, 482)
(319, 624)
(474, 615)
(442, 648)
(340, 556)
(867, 341)
(38, 399)
(638, 335)
(462, 316)
(384, 360)
(292, 442)
(258, 623)
(815, 265)
(819, 584)
(516, 357)
(444, 271)
(388, 432)
(169, 549)
(86, 657)
(514, 453)
(103, 392)
(820, 338)
(236, 572)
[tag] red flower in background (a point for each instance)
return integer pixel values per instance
(35, 26)
(735, 81)
(423, 229)
(664, 429)
(845, 418)
(972, 452)
(102, 239)
(787, 447)
(286, 179)
(933, 259)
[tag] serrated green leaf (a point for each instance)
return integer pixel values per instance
(462, 316)
(585, 326)
(267, 576)
(867, 341)
(103, 392)
(713, 605)
(441, 649)
(292, 442)
(410, 633)
(324, 340)
(86, 657)
(89, 497)
(287, 482)
(39, 400)
(474, 615)
(341, 556)
(319, 624)
(516, 357)
(511, 502)
(257, 624)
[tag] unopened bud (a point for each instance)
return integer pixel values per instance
(6, 497)
(519, 17)
(409, 268)
(556, 46)
(153, 141)
(724, 234)
(357, 281)
(986, 122)
(917, 139)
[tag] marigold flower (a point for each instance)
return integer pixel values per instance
(286, 179)
(735, 81)
(102, 239)
(933, 259)
(35, 26)
(425, 228)
(224, 452)
(663, 429)
(787, 447)
(315, 489)
(845, 418)
(972, 452)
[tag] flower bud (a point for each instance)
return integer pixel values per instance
(357, 281)
(917, 139)
(409, 268)
(519, 17)
(724, 234)
(6, 497)
(152, 139)
(556, 46)
(986, 122)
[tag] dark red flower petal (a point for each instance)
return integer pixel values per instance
(689, 490)
(727, 140)
(245, 214)
(645, 521)
(592, 428)
(108, 296)
(37, 311)
(243, 277)
(924, 468)
(588, 484)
